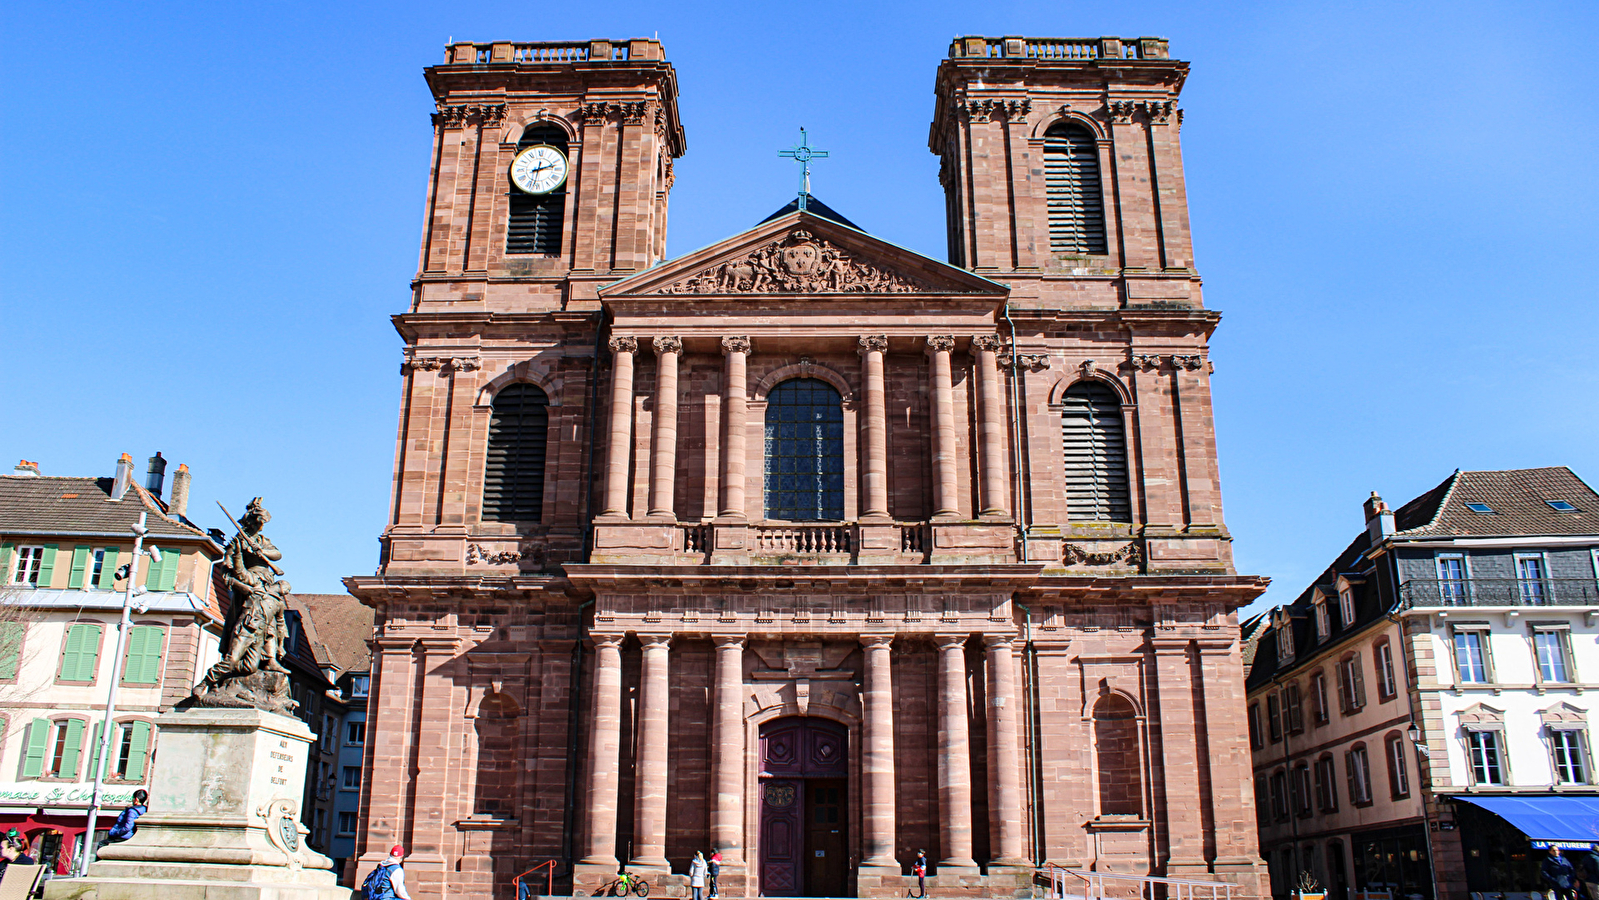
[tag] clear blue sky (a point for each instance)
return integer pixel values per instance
(211, 210)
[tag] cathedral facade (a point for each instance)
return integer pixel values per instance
(806, 548)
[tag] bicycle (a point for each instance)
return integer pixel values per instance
(623, 885)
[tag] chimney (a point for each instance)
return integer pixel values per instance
(157, 474)
(26, 469)
(119, 485)
(179, 504)
(1379, 518)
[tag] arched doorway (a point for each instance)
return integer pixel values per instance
(804, 778)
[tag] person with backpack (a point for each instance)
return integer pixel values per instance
(388, 879)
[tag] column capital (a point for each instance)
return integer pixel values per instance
(606, 639)
(665, 344)
(941, 343)
(655, 640)
(998, 640)
(986, 342)
(877, 641)
(736, 343)
(621, 344)
(728, 640)
(949, 641)
(873, 342)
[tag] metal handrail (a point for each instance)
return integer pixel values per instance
(1094, 884)
(1447, 592)
(549, 879)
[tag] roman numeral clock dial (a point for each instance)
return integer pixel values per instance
(539, 169)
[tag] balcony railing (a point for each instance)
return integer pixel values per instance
(1058, 49)
(805, 540)
(1468, 592)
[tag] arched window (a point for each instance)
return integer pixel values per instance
(1095, 455)
(1076, 200)
(1116, 744)
(804, 452)
(535, 223)
(513, 477)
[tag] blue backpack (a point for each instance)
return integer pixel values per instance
(378, 885)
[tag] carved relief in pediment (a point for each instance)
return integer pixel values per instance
(798, 263)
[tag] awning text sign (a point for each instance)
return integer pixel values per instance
(57, 793)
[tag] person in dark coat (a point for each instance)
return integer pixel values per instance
(1587, 876)
(1558, 875)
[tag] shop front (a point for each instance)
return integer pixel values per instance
(1506, 839)
(52, 816)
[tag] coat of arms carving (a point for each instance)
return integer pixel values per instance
(799, 263)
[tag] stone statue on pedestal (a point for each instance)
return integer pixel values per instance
(251, 674)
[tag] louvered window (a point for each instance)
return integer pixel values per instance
(1076, 200)
(513, 478)
(535, 223)
(804, 452)
(1095, 455)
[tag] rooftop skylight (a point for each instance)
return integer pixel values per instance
(1483, 508)
(1560, 506)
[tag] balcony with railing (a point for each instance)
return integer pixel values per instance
(1058, 49)
(552, 52)
(1490, 592)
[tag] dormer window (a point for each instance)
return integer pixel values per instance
(1323, 624)
(1346, 604)
(1285, 638)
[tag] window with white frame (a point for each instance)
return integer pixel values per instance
(96, 568)
(347, 824)
(1346, 605)
(1549, 647)
(359, 685)
(1292, 709)
(1569, 755)
(354, 733)
(1387, 685)
(1318, 698)
(1323, 624)
(1274, 717)
(1326, 784)
(1285, 637)
(1254, 727)
(1302, 799)
(1358, 766)
(1452, 578)
(1530, 579)
(1471, 656)
(1352, 684)
(352, 778)
(1486, 755)
(29, 561)
(1279, 794)
(1398, 776)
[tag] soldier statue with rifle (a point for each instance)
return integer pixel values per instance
(251, 674)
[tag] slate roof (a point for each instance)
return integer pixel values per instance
(814, 207)
(1517, 498)
(342, 626)
(1262, 664)
(68, 505)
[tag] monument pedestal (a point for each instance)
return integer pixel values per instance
(224, 819)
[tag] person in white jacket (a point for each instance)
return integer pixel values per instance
(697, 870)
(396, 877)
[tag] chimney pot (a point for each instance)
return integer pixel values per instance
(124, 477)
(1379, 518)
(26, 469)
(179, 504)
(157, 474)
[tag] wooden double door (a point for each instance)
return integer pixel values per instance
(804, 808)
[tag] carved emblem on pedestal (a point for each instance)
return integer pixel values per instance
(799, 263)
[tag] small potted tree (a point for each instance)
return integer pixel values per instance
(1309, 887)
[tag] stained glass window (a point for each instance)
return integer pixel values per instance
(804, 452)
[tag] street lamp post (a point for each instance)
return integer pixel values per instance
(107, 728)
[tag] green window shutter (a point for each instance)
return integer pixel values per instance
(140, 744)
(5, 561)
(38, 742)
(69, 756)
(82, 652)
(80, 563)
(10, 649)
(70, 654)
(94, 751)
(163, 574)
(108, 572)
(143, 665)
(47, 567)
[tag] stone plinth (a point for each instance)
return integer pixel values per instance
(224, 818)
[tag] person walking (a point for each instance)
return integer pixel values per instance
(388, 879)
(716, 872)
(697, 871)
(919, 869)
(1587, 876)
(1558, 875)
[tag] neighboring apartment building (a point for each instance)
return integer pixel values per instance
(1419, 714)
(63, 544)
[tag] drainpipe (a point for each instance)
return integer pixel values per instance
(1030, 719)
(569, 821)
(1023, 521)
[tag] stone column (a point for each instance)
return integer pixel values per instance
(991, 400)
(663, 458)
(649, 792)
(1004, 781)
(1183, 755)
(620, 448)
(954, 759)
(877, 756)
(872, 347)
(737, 350)
(943, 426)
(605, 746)
(727, 751)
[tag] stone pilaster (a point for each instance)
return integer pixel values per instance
(621, 442)
(954, 760)
(1004, 780)
(875, 464)
(877, 758)
(663, 457)
(994, 442)
(604, 752)
(737, 350)
(727, 752)
(943, 426)
(649, 786)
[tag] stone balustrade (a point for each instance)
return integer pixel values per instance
(1058, 49)
(556, 52)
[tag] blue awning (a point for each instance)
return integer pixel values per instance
(1571, 823)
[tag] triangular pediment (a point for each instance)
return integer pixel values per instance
(802, 255)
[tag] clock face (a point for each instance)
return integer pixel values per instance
(539, 169)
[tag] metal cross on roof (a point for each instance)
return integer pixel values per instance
(804, 154)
